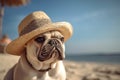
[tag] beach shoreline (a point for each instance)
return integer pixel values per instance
(75, 70)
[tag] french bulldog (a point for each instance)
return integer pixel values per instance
(42, 59)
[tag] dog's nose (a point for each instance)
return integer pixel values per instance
(52, 42)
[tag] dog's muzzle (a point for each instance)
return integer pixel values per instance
(53, 49)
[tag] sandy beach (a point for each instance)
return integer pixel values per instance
(75, 70)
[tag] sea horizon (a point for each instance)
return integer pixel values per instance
(111, 58)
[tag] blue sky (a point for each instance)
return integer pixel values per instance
(96, 23)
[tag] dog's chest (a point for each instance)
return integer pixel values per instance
(44, 76)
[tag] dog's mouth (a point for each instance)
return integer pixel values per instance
(52, 49)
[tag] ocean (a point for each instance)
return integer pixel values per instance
(101, 58)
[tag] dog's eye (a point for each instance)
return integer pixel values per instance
(40, 39)
(62, 39)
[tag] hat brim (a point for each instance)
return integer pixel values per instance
(16, 47)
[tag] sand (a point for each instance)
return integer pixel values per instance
(75, 70)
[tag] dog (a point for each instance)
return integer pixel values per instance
(42, 59)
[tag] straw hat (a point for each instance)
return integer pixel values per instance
(34, 24)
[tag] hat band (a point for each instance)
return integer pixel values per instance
(34, 25)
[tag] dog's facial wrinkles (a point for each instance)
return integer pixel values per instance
(53, 46)
(50, 46)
